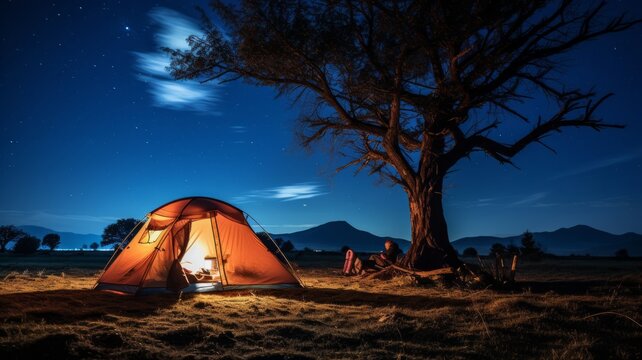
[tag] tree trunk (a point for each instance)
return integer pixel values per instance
(430, 248)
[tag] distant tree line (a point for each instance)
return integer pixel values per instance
(24, 243)
(529, 249)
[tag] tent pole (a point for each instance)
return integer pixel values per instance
(157, 248)
(153, 255)
(111, 258)
(278, 248)
(219, 249)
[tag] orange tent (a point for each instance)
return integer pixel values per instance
(196, 244)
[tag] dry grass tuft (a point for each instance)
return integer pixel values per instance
(576, 311)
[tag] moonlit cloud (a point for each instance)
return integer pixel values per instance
(285, 193)
(173, 30)
(152, 63)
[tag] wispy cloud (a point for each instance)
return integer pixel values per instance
(529, 199)
(600, 164)
(298, 191)
(537, 200)
(173, 30)
(239, 129)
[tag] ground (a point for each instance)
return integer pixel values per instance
(566, 308)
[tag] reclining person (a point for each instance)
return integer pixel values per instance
(391, 254)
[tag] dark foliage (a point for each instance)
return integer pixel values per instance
(287, 246)
(529, 249)
(622, 254)
(9, 233)
(470, 252)
(404, 88)
(512, 250)
(51, 241)
(26, 245)
(118, 231)
(94, 246)
(498, 249)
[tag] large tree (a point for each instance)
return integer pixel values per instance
(9, 233)
(51, 240)
(404, 88)
(119, 231)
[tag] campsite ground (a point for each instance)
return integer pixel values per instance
(567, 308)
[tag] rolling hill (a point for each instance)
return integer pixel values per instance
(576, 240)
(335, 234)
(331, 236)
(68, 240)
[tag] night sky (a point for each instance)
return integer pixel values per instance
(93, 129)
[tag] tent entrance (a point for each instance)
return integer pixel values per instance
(200, 262)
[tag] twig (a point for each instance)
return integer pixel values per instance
(613, 313)
(481, 317)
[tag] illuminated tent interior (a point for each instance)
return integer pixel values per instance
(196, 244)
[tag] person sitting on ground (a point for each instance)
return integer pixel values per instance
(389, 256)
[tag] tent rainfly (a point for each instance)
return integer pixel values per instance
(196, 244)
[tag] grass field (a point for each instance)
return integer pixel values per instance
(565, 309)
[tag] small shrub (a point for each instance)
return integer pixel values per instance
(622, 254)
(497, 249)
(530, 249)
(287, 246)
(470, 252)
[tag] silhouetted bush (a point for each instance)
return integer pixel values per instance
(512, 250)
(622, 254)
(94, 246)
(497, 249)
(287, 246)
(470, 252)
(26, 245)
(529, 249)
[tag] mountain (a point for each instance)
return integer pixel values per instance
(335, 234)
(68, 240)
(578, 240)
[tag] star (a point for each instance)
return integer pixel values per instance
(127, 28)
